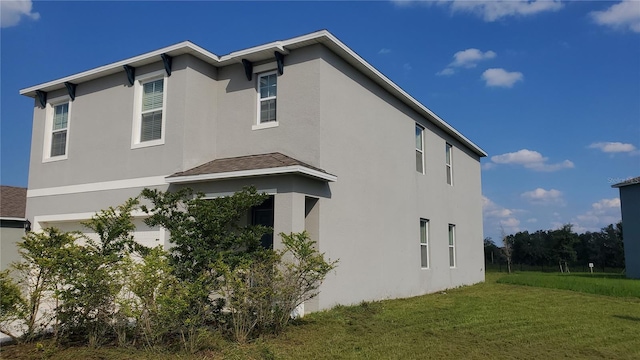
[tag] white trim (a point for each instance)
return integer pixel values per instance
(136, 143)
(265, 67)
(256, 172)
(258, 123)
(12, 219)
(425, 244)
(266, 125)
(209, 196)
(449, 165)
(98, 186)
(48, 134)
(323, 37)
(451, 232)
(185, 47)
(421, 150)
(73, 217)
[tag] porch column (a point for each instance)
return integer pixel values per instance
(288, 215)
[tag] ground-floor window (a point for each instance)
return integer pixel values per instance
(263, 215)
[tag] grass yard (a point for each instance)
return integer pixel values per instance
(493, 320)
(602, 284)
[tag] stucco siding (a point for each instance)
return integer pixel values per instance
(9, 236)
(630, 204)
(298, 111)
(372, 221)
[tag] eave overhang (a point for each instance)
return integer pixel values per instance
(258, 54)
(284, 170)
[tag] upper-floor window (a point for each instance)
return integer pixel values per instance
(452, 245)
(149, 115)
(419, 149)
(267, 93)
(57, 134)
(449, 163)
(424, 243)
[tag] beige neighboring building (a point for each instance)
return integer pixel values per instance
(379, 181)
(12, 223)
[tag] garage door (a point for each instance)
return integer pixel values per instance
(144, 235)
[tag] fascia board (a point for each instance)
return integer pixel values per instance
(185, 47)
(251, 173)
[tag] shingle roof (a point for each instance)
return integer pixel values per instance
(244, 163)
(632, 181)
(13, 201)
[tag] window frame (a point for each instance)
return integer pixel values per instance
(421, 150)
(452, 245)
(268, 124)
(136, 133)
(49, 131)
(449, 163)
(424, 242)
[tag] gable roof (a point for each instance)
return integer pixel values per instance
(631, 181)
(247, 166)
(13, 202)
(258, 53)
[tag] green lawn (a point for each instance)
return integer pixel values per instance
(602, 284)
(486, 321)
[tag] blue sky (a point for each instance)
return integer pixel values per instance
(550, 89)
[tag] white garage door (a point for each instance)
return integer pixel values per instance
(144, 235)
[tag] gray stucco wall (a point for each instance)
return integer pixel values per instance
(330, 116)
(372, 220)
(9, 236)
(630, 203)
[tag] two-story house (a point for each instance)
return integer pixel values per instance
(378, 180)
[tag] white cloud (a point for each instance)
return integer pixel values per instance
(541, 196)
(532, 160)
(623, 15)
(466, 59)
(497, 217)
(613, 147)
(501, 78)
(532, 220)
(492, 10)
(407, 67)
(470, 57)
(601, 214)
(384, 51)
(446, 72)
(11, 12)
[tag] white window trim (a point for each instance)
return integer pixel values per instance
(452, 228)
(49, 114)
(137, 109)
(418, 126)
(271, 124)
(425, 244)
(449, 148)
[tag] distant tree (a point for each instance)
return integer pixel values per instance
(492, 253)
(507, 247)
(563, 241)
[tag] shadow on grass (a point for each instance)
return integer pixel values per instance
(627, 317)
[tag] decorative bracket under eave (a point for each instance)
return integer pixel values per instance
(131, 73)
(248, 68)
(71, 89)
(42, 97)
(280, 62)
(167, 60)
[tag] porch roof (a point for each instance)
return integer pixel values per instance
(248, 166)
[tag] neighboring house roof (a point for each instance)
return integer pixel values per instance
(259, 53)
(13, 202)
(632, 181)
(246, 166)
